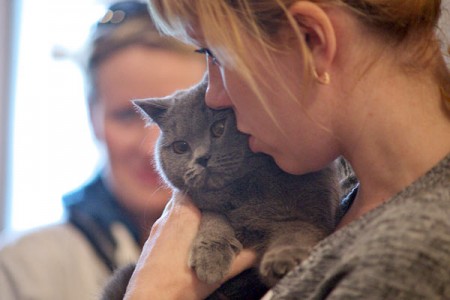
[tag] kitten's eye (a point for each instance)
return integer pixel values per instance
(218, 128)
(180, 147)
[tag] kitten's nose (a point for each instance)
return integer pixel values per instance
(203, 160)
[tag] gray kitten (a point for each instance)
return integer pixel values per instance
(246, 200)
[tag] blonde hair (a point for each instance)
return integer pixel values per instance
(408, 24)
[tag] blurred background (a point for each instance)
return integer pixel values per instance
(43, 149)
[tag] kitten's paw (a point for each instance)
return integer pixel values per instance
(279, 261)
(211, 259)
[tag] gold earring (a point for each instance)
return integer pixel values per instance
(322, 79)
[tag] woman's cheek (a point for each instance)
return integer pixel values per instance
(119, 140)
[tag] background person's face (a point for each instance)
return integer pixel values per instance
(135, 73)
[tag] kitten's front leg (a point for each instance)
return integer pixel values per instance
(287, 249)
(214, 248)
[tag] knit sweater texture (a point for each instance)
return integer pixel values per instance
(400, 250)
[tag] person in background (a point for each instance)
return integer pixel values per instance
(309, 81)
(108, 218)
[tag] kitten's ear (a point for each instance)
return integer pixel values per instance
(152, 109)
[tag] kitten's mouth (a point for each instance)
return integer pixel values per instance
(194, 180)
(198, 180)
(209, 181)
(216, 182)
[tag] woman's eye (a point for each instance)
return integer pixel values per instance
(218, 128)
(209, 55)
(125, 115)
(180, 147)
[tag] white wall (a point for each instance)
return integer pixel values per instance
(5, 59)
(53, 151)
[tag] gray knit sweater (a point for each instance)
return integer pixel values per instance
(400, 250)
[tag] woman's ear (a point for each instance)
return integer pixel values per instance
(318, 31)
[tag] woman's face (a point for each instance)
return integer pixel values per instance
(134, 73)
(300, 141)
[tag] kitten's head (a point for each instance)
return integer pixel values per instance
(199, 149)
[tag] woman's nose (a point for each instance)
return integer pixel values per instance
(216, 95)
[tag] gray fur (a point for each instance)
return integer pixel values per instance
(245, 199)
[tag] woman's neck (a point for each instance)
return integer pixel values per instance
(398, 130)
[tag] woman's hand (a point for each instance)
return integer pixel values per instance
(162, 271)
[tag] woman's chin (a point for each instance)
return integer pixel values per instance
(251, 143)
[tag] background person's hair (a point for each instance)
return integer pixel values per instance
(125, 24)
(407, 26)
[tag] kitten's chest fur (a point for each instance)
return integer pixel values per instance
(266, 198)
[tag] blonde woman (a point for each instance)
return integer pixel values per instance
(310, 81)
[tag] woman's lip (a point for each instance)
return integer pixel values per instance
(252, 143)
(149, 176)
